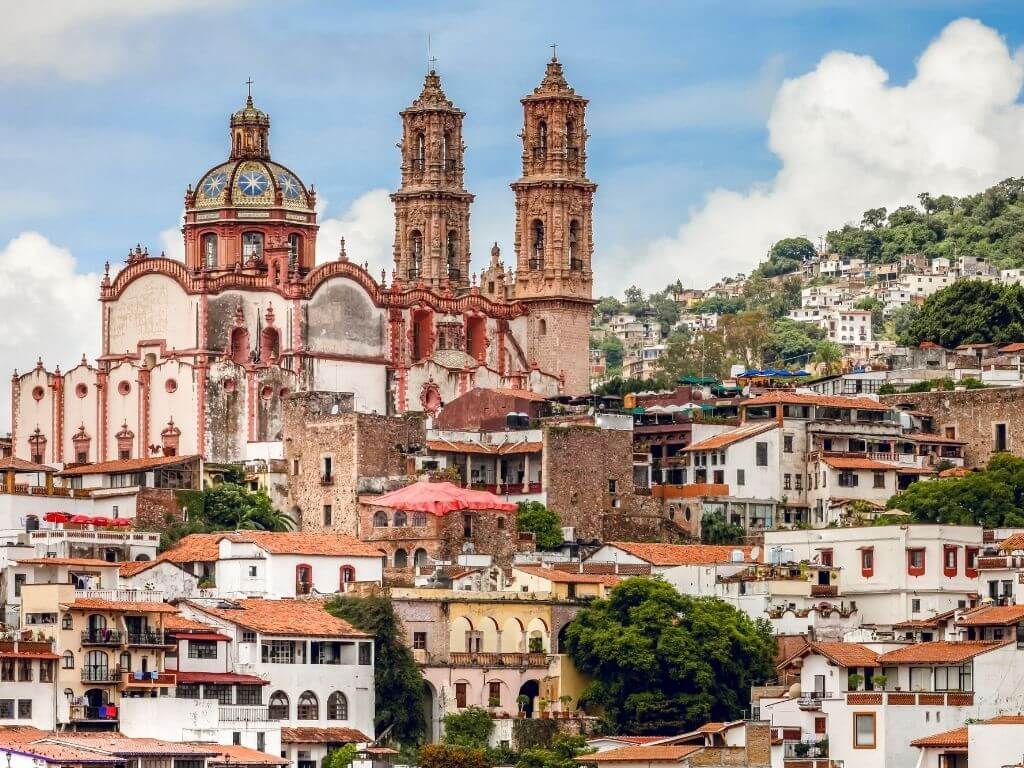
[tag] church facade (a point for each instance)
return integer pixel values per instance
(197, 357)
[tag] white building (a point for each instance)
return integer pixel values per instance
(925, 285)
(320, 669)
(993, 743)
(28, 692)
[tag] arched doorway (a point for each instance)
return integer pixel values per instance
(429, 714)
(561, 638)
(531, 690)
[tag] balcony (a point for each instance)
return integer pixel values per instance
(824, 590)
(81, 713)
(121, 595)
(805, 749)
(149, 679)
(101, 675)
(1001, 562)
(326, 479)
(102, 637)
(150, 639)
(494, 660)
(911, 698)
(811, 702)
(240, 714)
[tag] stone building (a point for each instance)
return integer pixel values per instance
(199, 356)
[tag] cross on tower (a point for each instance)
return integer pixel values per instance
(432, 60)
(554, 51)
(249, 84)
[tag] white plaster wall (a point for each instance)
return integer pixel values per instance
(122, 409)
(80, 411)
(31, 414)
(180, 405)
(152, 307)
(366, 380)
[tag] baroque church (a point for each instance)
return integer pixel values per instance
(197, 357)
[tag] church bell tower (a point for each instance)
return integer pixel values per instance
(432, 207)
(554, 229)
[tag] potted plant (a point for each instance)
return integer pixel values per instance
(801, 748)
(879, 681)
(853, 681)
(565, 700)
(522, 701)
(542, 705)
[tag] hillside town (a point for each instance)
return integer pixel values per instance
(776, 523)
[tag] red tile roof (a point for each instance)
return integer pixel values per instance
(22, 465)
(1006, 720)
(993, 616)
(219, 677)
(467, 446)
(79, 562)
(323, 736)
(303, 543)
(1015, 346)
(98, 604)
(124, 746)
(932, 623)
(855, 462)
(282, 617)
(847, 654)
(831, 401)
(939, 652)
(236, 754)
(1012, 543)
(929, 437)
(135, 567)
(789, 646)
(681, 554)
(643, 754)
(523, 394)
(125, 465)
(730, 436)
(183, 623)
(568, 577)
(954, 738)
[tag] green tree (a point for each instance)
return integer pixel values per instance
(903, 320)
(607, 306)
(790, 343)
(714, 529)
(662, 662)
(829, 354)
(398, 682)
(745, 335)
(447, 756)
(340, 757)
(970, 311)
(721, 305)
(665, 308)
(564, 749)
(614, 352)
(694, 354)
(874, 306)
(636, 304)
(470, 727)
(543, 523)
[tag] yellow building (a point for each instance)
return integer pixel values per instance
(111, 644)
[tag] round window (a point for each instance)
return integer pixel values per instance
(171, 385)
(37, 393)
(267, 392)
(283, 392)
(124, 388)
(81, 390)
(229, 385)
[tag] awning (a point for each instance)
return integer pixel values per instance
(440, 499)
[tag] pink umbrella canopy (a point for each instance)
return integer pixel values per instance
(99, 520)
(121, 522)
(440, 499)
(56, 517)
(80, 519)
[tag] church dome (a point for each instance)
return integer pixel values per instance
(250, 179)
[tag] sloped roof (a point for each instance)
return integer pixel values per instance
(1012, 543)
(323, 736)
(643, 754)
(831, 401)
(730, 436)
(993, 615)
(126, 465)
(568, 577)
(98, 604)
(954, 738)
(939, 652)
(75, 562)
(22, 465)
(236, 754)
(681, 554)
(847, 654)
(125, 746)
(856, 462)
(305, 543)
(281, 617)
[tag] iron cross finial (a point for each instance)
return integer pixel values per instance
(554, 51)
(249, 84)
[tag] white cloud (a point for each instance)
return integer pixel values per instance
(80, 39)
(368, 227)
(848, 141)
(172, 241)
(49, 309)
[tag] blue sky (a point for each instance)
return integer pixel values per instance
(680, 94)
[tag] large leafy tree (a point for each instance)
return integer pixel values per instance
(662, 662)
(715, 529)
(970, 311)
(701, 353)
(398, 681)
(790, 343)
(543, 523)
(471, 727)
(564, 749)
(745, 335)
(993, 497)
(448, 756)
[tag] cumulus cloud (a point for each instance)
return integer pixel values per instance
(77, 40)
(848, 140)
(368, 227)
(49, 309)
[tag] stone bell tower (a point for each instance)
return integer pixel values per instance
(432, 207)
(554, 229)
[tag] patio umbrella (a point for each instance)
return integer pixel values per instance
(99, 520)
(56, 517)
(440, 499)
(121, 522)
(80, 520)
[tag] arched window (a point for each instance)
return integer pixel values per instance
(252, 245)
(303, 579)
(380, 519)
(537, 261)
(419, 158)
(308, 707)
(401, 519)
(294, 249)
(278, 707)
(452, 250)
(401, 558)
(419, 519)
(337, 706)
(348, 575)
(574, 243)
(419, 558)
(210, 250)
(67, 661)
(66, 622)
(415, 253)
(570, 133)
(270, 345)
(95, 667)
(542, 136)
(446, 151)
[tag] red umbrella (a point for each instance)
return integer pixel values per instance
(99, 520)
(440, 499)
(81, 519)
(121, 522)
(56, 517)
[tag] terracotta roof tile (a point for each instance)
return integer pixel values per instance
(124, 746)
(856, 462)
(468, 446)
(930, 437)
(50, 752)
(637, 739)
(1015, 346)
(1006, 720)
(939, 652)
(730, 436)
(303, 543)
(568, 577)
(931, 623)
(80, 562)
(789, 646)
(125, 465)
(832, 401)
(993, 615)
(954, 738)
(643, 754)
(1012, 543)
(847, 654)
(98, 604)
(219, 677)
(282, 617)
(681, 554)
(236, 754)
(194, 548)
(135, 567)
(323, 736)
(22, 465)
(523, 394)
(178, 622)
